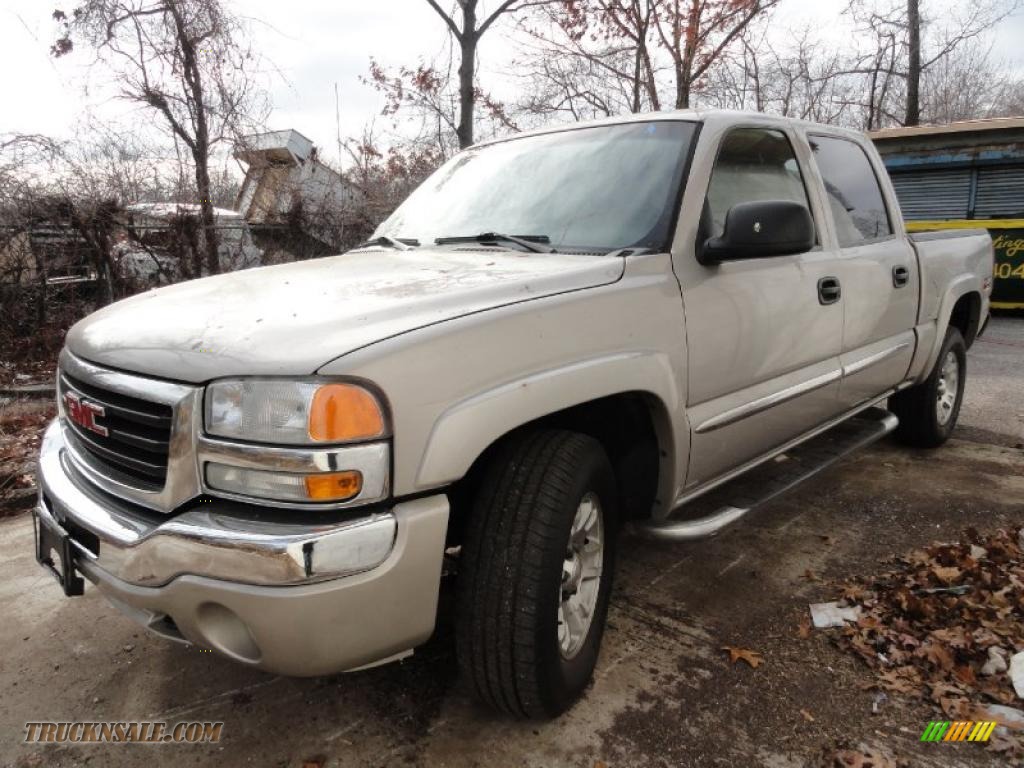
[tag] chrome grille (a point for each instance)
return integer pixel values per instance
(138, 432)
(135, 438)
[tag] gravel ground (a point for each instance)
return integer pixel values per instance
(665, 693)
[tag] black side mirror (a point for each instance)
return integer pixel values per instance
(761, 229)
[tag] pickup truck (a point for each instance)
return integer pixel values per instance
(558, 334)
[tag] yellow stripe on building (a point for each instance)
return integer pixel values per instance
(926, 226)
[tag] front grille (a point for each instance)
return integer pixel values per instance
(135, 448)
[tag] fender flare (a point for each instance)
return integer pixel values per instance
(467, 428)
(957, 289)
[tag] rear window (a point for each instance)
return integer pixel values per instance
(854, 194)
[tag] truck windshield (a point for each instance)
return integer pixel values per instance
(585, 189)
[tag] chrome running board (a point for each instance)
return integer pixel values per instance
(765, 482)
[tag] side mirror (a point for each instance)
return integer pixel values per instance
(759, 230)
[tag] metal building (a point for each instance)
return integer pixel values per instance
(964, 175)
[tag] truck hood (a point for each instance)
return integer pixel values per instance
(293, 318)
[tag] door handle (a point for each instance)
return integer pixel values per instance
(900, 276)
(829, 290)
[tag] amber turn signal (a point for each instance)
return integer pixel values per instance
(334, 486)
(344, 412)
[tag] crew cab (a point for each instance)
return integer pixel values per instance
(558, 334)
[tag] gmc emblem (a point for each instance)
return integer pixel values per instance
(84, 413)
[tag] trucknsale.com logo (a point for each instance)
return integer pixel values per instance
(123, 732)
(958, 731)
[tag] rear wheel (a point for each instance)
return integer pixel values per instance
(928, 411)
(536, 573)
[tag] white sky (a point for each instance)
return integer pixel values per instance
(314, 44)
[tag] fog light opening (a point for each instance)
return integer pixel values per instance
(224, 631)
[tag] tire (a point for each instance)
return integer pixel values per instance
(918, 408)
(516, 547)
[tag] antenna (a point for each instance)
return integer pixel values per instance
(337, 123)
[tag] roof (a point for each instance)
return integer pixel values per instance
(961, 126)
(697, 114)
(170, 210)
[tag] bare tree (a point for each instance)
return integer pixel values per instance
(465, 29)
(383, 177)
(608, 56)
(596, 57)
(187, 61)
(803, 79)
(969, 84)
(909, 42)
(696, 34)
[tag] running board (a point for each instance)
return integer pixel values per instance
(765, 482)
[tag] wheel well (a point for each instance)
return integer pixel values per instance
(966, 316)
(629, 427)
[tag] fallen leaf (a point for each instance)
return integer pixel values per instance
(947, 575)
(965, 675)
(804, 630)
(753, 658)
(937, 654)
(863, 758)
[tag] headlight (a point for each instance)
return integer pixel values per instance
(283, 412)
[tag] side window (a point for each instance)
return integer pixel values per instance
(854, 195)
(753, 165)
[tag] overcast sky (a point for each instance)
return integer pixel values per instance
(314, 44)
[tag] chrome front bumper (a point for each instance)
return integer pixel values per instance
(292, 598)
(149, 548)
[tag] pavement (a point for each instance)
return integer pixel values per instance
(665, 693)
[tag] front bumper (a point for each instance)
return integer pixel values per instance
(292, 598)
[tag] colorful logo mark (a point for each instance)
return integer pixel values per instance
(959, 731)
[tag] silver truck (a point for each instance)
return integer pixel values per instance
(556, 335)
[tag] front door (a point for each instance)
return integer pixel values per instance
(763, 335)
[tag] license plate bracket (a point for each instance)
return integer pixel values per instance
(50, 539)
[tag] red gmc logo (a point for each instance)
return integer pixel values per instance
(84, 413)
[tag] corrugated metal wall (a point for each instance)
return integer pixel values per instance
(929, 194)
(1000, 193)
(938, 194)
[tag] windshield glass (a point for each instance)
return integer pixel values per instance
(597, 188)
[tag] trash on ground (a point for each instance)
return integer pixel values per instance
(1007, 716)
(963, 589)
(1017, 673)
(996, 663)
(825, 615)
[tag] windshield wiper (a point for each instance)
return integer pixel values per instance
(400, 243)
(535, 243)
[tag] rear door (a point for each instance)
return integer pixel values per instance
(877, 270)
(763, 347)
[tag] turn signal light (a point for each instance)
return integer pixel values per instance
(334, 486)
(342, 412)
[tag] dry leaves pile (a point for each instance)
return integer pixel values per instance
(934, 624)
(20, 433)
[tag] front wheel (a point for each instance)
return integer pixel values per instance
(536, 573)
(928, 411)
